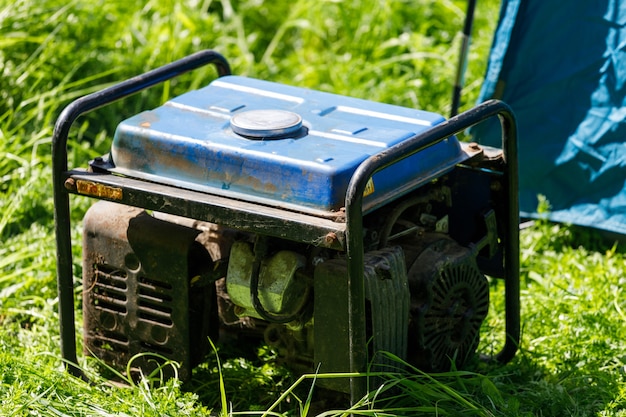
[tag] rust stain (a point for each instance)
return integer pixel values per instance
(149, 117)
(330, 238)
(98, 190)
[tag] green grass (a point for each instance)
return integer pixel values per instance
(572, 360)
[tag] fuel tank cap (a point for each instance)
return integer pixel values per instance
(266, 124)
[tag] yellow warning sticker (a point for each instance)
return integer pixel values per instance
(369, 188)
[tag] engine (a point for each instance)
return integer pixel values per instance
(165, 284)
(227, 213)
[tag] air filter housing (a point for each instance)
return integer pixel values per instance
(144, 297)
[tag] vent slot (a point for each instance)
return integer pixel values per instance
(151, 317)
(154, 284)
(154, 299)
(111, 276)
(110, 341)
(156, 296)
(150, 310)
(155, 348)
(108, 290)
(105, 302)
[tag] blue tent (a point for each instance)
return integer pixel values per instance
(562, 68)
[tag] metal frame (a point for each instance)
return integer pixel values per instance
(65, 280)
(265, 220)
(354, 218)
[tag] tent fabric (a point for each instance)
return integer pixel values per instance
(561, 66)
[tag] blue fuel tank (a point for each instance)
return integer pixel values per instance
(278, 145)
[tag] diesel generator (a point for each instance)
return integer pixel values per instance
(330, 228)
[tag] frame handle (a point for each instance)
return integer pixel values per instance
(65, 279)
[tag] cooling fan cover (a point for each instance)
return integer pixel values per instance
(450, 300)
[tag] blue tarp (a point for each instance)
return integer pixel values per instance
(562, 68)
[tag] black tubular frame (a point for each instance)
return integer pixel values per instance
(265, 220)
(65, 280)
(354, 220)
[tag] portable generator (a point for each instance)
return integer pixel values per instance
(330, 227)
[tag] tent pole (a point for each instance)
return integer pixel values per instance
(465, 44)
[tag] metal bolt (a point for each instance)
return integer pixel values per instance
(70, 184)
(474, 146)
